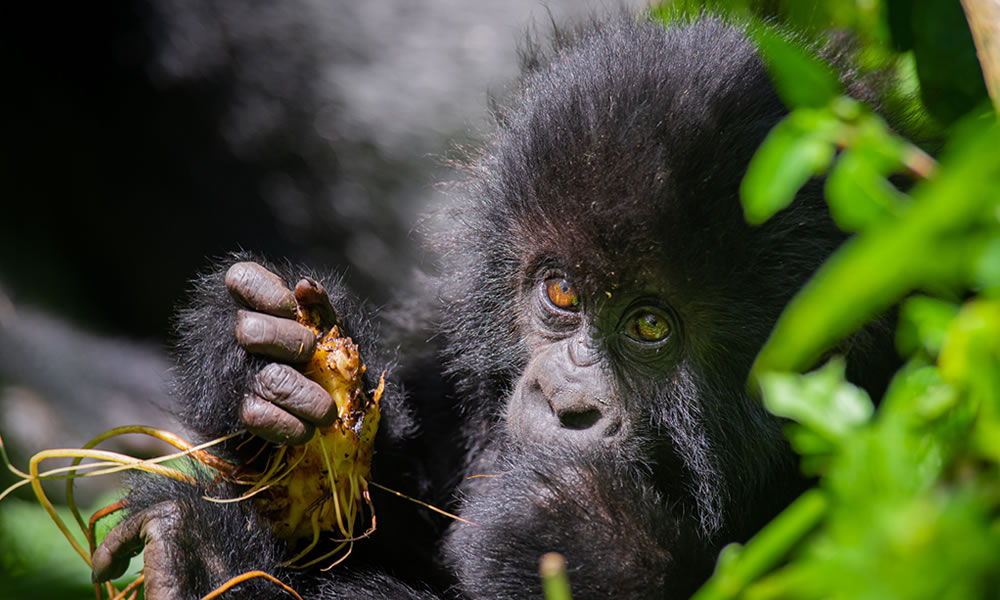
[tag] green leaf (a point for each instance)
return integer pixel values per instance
(878, 267)
(35, 559)
(823, 401)
(683, 11)
(859, 196)
(917, 396)
(857, 190)
(923, 322)
(807, 442)
(800, 78)
(799, 147)
(970, 360)
(766, 549)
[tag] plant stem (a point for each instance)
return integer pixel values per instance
(984, 22)
(765, 550)
(555, 582)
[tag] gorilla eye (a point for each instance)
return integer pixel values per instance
(561, 294)
(648, 326)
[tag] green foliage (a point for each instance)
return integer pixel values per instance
(827, 408)
(938, 241)
(800, 147)
(936, 33)
(908, 494)
(36, 561)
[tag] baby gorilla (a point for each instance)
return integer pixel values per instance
(571, 380)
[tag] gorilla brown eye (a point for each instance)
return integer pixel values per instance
(561, 294)
(648, 327)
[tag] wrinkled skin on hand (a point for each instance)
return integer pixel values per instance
(285, 406)
(152, 528)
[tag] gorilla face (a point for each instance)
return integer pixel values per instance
(568, 391)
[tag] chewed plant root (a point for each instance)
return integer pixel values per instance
(319, 487)
(304, 491)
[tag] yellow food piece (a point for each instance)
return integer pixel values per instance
(320, 486)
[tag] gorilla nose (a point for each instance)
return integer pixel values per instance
(583, 418)
(558, 400)
(561, 415)
(579, 420)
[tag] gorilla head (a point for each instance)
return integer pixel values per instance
(610, 299)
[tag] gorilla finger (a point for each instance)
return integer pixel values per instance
(273, 423)
(310, 292)
(280, 339)
(149, 528)
(282, 385)
(255, 287)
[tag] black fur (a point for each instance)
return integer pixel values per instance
(619, 159)
(218, 539)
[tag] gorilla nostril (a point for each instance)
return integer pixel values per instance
(579, 419)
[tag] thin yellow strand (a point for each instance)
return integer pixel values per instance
(314, 521)
(246, 577)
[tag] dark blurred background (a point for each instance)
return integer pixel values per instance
(142, 137)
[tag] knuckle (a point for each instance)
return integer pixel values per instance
(254, 286)
(279, 338)
(272, 423)
(168, 512)
(277, 381)
(293, 391)
(160, 520)
(254, 411)
(249, 328)
(237, 276)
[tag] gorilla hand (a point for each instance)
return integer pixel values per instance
(283, 406)
(192, 546)
(152, 528)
